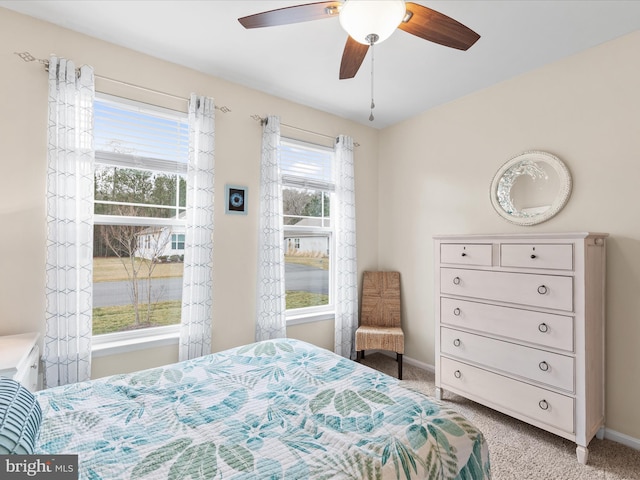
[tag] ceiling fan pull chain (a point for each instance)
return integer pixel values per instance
(373, 105)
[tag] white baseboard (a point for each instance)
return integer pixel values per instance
(419, 364)
(609, 434)
(405, 359)
(627, 440)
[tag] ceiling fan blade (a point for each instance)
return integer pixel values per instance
(352, 58)
(437, 27)
(295, 14)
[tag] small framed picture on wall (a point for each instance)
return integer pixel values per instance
(235, 200)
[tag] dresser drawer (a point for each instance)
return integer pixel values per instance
(511, 395)
(467, 253)
(544, 329)
(547, 291)
(552, 257)
(540, 366)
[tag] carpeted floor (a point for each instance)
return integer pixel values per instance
(520, 451)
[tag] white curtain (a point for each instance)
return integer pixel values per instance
(271, 306)
(69, 255)
(197, 301)
(346, 320)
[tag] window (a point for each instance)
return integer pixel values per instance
(139, 207)
(307, 178)
(177, 241)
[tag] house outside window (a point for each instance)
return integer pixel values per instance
(141, 156)
(308, 186)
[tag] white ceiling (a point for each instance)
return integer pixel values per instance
(301, 62)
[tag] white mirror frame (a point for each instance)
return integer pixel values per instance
(561, 198)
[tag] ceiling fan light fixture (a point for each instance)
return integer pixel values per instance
(364, 20)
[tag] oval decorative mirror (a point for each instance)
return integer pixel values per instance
(531, 188)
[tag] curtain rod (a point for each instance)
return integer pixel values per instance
(27, 57)
(261, 120)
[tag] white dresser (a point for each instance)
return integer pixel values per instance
(20, 358)
(520, 327)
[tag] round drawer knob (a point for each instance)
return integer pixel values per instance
(543, 404)
(544, 366)
(457, 374)
(543, 327)
(456, 312)
(542, 290)
(456, 281)
(533, 255)
(456, 342)
(464, 254)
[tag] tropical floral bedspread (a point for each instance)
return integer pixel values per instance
(280, 409)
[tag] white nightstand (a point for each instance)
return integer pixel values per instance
(20, 358)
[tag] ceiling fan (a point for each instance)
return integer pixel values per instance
(370, 22)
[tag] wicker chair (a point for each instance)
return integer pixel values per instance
(380, 321)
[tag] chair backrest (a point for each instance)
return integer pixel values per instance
(381, 299)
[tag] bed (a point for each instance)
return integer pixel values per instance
(279, 409)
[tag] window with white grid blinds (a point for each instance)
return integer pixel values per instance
(140, 204)
(308, 183)
(305, 165)
(134, 135)
(141, 155)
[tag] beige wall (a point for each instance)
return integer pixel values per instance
(22, 183)
(435, 171)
